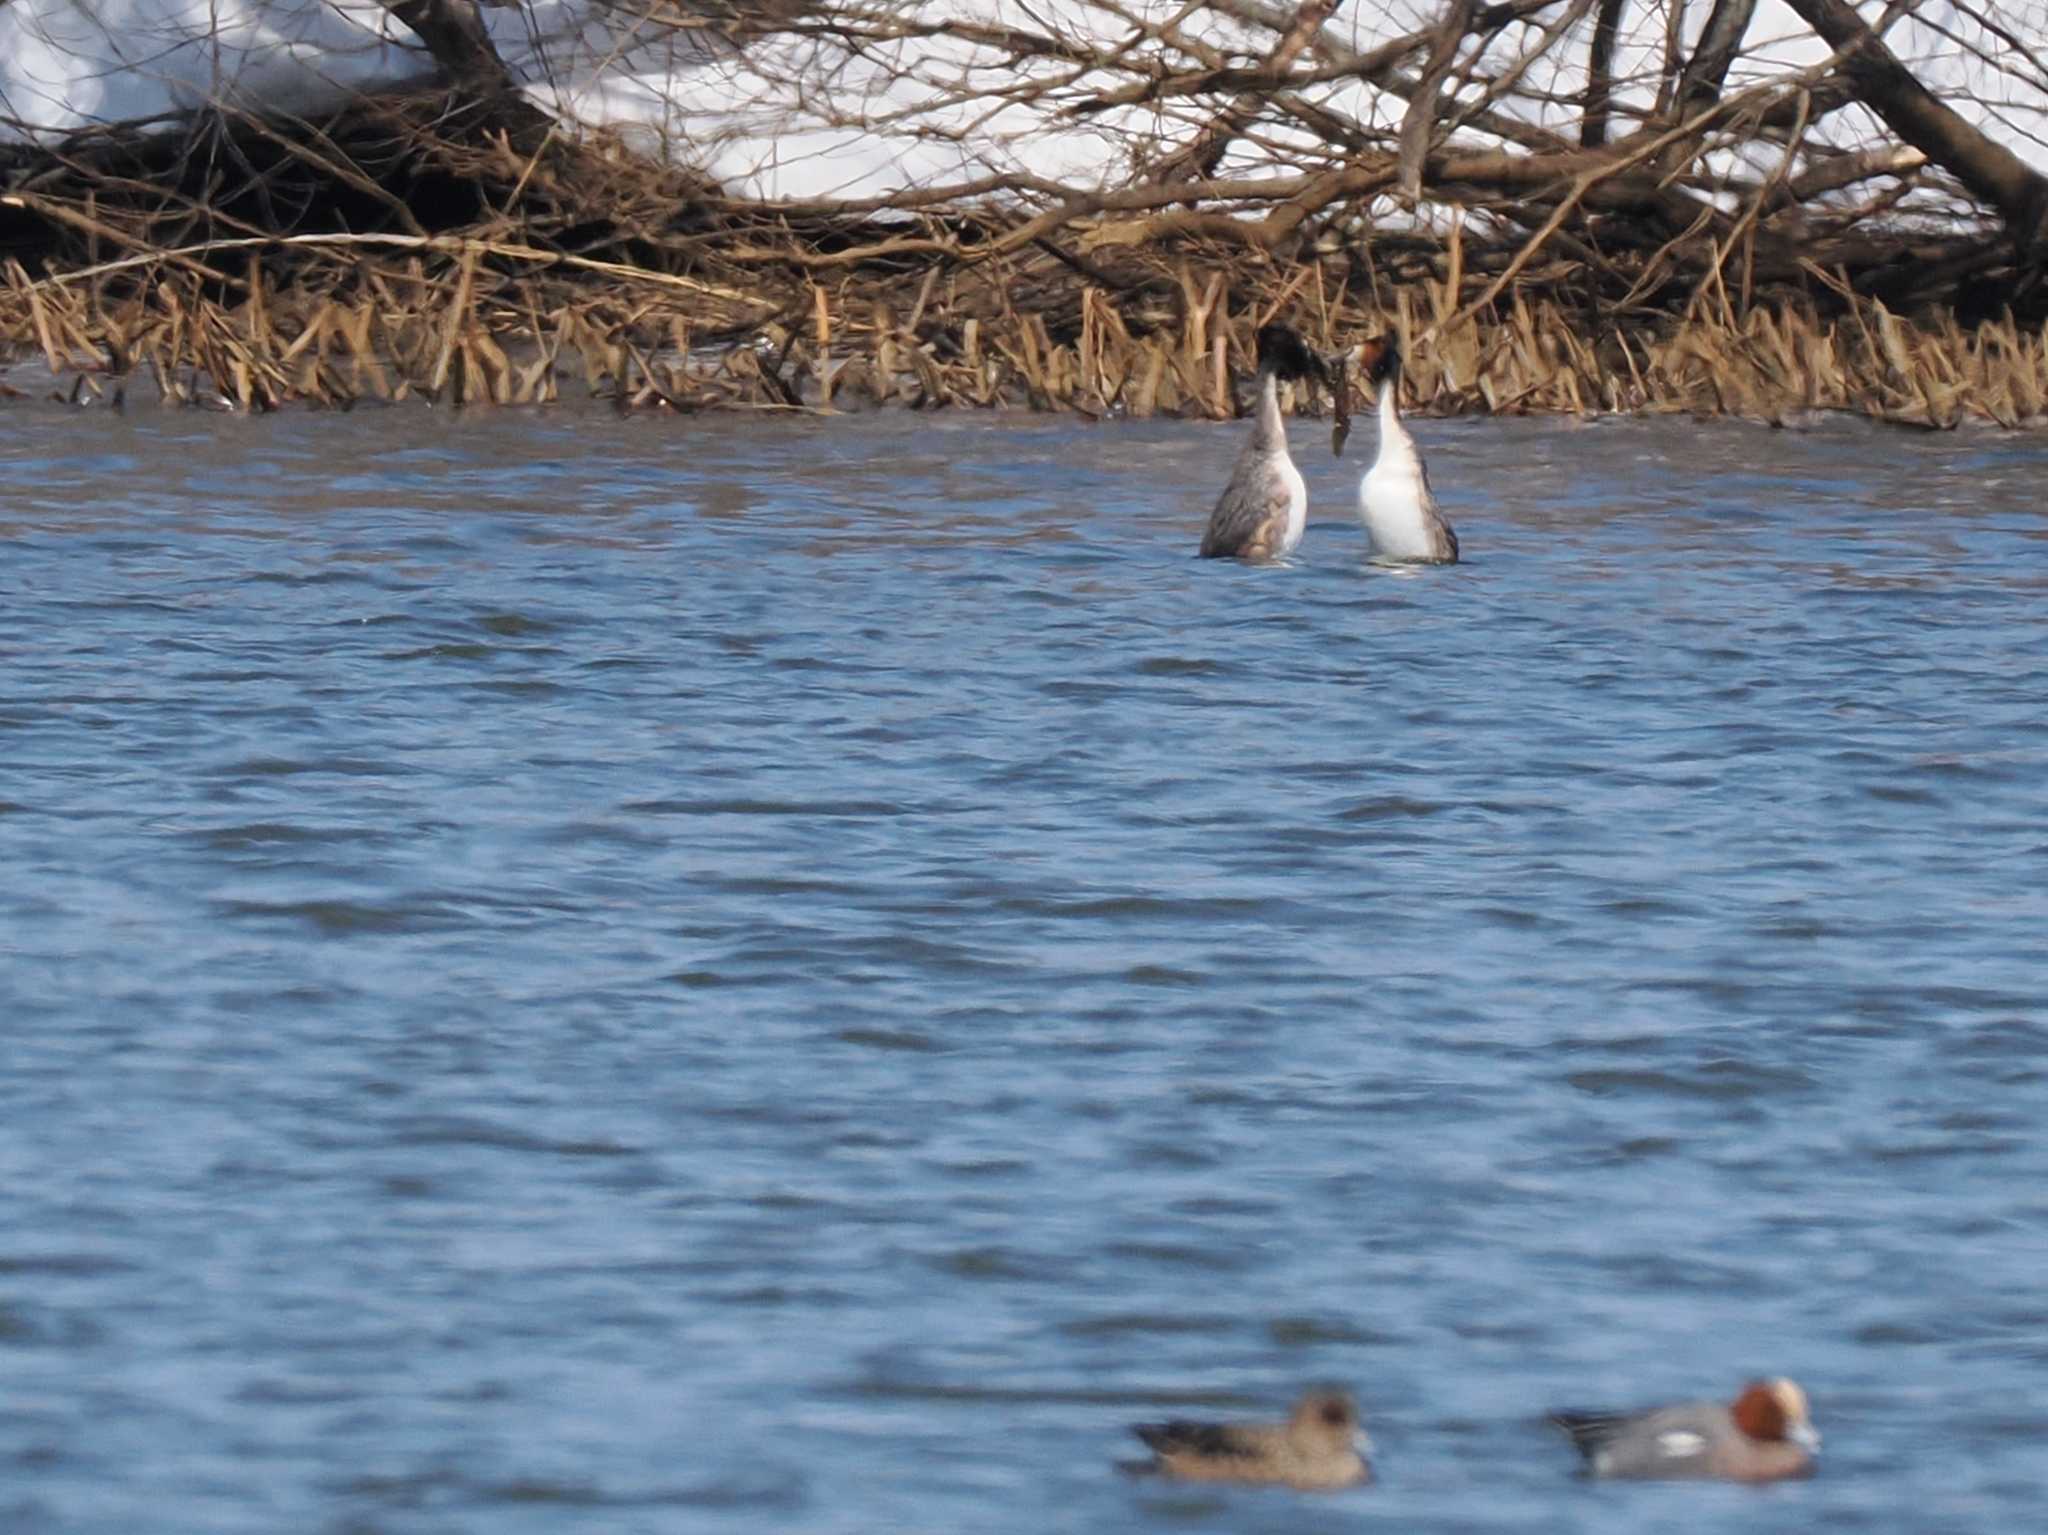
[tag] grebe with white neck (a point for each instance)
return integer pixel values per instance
(1394, 499)
(1262, 511)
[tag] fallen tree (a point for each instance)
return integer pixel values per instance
(1568, 189)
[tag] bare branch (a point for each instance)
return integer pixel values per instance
(454, 35)
(1720, 41)
(1419, 122)
(1844, 171)
(1200, 158)
(1987, 168)
(1600, 74)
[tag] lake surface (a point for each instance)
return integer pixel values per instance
(561, 973)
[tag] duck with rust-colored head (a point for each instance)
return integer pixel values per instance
(1320, 1448)
(1764, 1435)
(1263, 510)
(1395, 502)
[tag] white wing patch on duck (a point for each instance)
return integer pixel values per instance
(1680, 1444)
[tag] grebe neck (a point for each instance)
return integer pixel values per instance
(1269, 433)
(1395, 443)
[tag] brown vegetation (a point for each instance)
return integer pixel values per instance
(455, 245)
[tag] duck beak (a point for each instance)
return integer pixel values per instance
(1806, 1436)
(1362, 1443)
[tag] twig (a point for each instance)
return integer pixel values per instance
(452, 245)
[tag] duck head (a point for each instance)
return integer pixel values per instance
(1325, 1420)
(1773, 1411)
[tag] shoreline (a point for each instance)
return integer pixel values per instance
(450, 248)
(472, 334)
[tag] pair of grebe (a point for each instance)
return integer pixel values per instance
(1263, 510)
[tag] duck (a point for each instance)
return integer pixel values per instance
(1395, 502)
(1765, 1435)
(1260, 516)
(1320, 1448)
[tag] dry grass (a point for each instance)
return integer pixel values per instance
(482, 322)
(511, 272)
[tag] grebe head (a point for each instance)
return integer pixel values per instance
(1380, 358)
(1283, 353)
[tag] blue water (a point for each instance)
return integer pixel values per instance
(563, 973)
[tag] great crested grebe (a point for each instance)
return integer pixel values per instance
(1262, 511)
(1394, 498)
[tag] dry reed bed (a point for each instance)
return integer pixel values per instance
(472, 321)
(469, 260)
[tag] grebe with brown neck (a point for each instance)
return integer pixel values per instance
(1394, 499)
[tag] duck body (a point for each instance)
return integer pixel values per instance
(1766, 1435)
(1394, 499)
(1318, 1449)
(1263, 510)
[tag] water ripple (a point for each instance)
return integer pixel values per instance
(566, 970)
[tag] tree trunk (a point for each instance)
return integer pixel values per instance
(1600, 75)
(1720, 40)
(454, 35)
(1419, 122)
(1987, 168)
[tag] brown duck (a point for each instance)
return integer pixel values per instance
(1319, 1448)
